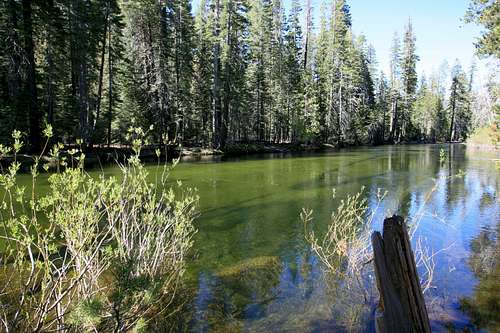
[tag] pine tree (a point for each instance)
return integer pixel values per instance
(234, 68)
(310, 126)
(365, 88)
(395, 84)
(440, 126)
(182, 22)
(323, 63)
(293, 74)
(114, 71)
(276, 72)
(34, 116)
(259, 67)
(198, 124)
(340, 23)
(409, 81)
(423, 110)
(12, 114)
(460, 116)
(380, 120)
(53, 67)
(485, 13)
(149, 81)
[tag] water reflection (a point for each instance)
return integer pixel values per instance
(271, 294)
(483, 306)
(253, 271)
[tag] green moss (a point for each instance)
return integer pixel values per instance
(251, 279)
(484, 306)
(249, 265)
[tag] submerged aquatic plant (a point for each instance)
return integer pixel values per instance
(344, 248)
(483, 306)
(96, 253)
(345, 251)
(442, 156)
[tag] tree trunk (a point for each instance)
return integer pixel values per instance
(453, 108)
(50, 84)
(217, 114)
(227, 82)
(340, 133)
(178, 102)
(35, 135)
(394, 120)
(79, 69)
(110, 91)
(14, 81)
(308, 32)
(401, 306)
(101, 67)
(164, 101)
(383, 122)
(306, 51)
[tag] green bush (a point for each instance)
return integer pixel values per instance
(486, 136)
(99, 253)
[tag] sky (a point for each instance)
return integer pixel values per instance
(438, 25)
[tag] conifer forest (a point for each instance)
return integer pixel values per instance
(226, 71)
(249, 166)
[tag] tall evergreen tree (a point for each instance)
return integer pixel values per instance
(395, 84)
(380, 117)
(460, 117)
(293, 68)
(198, 123)
(485, 13)
(323, 63)
(258, 74)
(232, 70)
(182, 22)
(409, 81)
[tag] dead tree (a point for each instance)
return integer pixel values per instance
(401, 306)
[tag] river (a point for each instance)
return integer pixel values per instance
(252, 270)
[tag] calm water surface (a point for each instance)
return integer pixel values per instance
(253, 271)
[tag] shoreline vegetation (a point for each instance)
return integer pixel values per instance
(261, 78)
(100, 156)
(95, 254)
(132, 84)
(485, 138)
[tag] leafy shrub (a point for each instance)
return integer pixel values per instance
(95, 253)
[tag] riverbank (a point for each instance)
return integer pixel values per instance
(99, 156)
(484, 147)
(486, 138)
(248, 148)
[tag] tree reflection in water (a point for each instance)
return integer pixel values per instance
(483, 306)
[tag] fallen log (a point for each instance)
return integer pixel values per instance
(401, 306)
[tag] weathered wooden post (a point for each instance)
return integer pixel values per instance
(401, 306)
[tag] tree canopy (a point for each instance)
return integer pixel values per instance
(237, 71)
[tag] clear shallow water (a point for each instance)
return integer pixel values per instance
(253, 271)
(250, 227)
